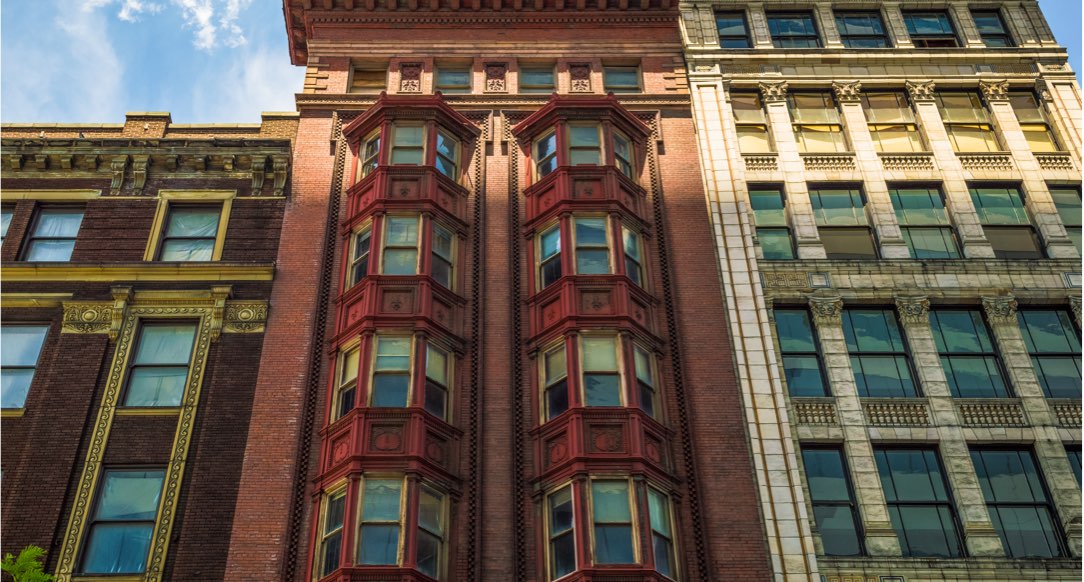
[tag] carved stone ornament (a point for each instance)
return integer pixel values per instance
(995, 90)
(245, 317)
(1000, 309)
(1074, 304)
(495, 77)
(410, 78)
(826, 309)
(921, 90)
(848, 92)
(94, 317)
(774, 91)
(580, 73)
(913, 310)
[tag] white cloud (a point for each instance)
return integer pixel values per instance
(199, 14)
(257, 79)
(130, 9)
(213, 22)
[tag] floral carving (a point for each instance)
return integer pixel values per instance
(1000, 309)
(913, 310)
(495, 77)
(772, 92)
(921, 90)
(580, 74)
(826, 310)
(848, 92)
(87, 317)
(410, 78)
(995, 90)
(557, 450)
(607, 439)
(245, 317)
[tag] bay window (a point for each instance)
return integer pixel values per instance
(380, 522)
(401, 371)
(549, 250)
(401, 249)
(583, 144)
(391, 372)
(561, 529)
(600, 247)
(346, 383)
(407, 144)
(591, 236)
(611, 515)
(400, 245)
(555, 381)
(360, 249)
(438, 375)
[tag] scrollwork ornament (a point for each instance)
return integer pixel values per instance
(826, 310)
(245, 317)
(995, 90)
(848, 92)
(1000, 309)
(913, 310)
(96, 317)
(773, 92)
(921, 90)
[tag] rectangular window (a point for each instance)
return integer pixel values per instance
(6, 213)
(930, 29)
(634, 268)
(967, 122)
(645, 380)
(891, 122)
(861, 30)
(431, 532)
(537, 79)
(549, 255)
(347, 384)
(1018, 503)
(407, 145)
(968, 354)
(770, 216)
(1067, 201)
(158, 371)
(53, 235)
(400, 245)
(800, 353)
(561, 524)
(841, 222)
(924, 222)
(733, 30)
(1005, 222)
(584, 145)
(918, 502)
(545, 154)
(453, 79)
(816, 123)
(1073, 451)
(369, 78)
(391, 372)
(1033, 122)
(1054, 346)
(331, 532)
(991, 28)
(443, 266)
(121, 527)
(190, 233)
(752, 126)
(20, 348)
(601, 376)
(447, 155)
(623, 155)
(882, 368)
(438, 378)
(793, 30)
(621, 79)
(833, 502)
(555, 381)
(360, 249)
(662, 537)
(369, 155)
(378, 532)
(592, 246)
(612, 516)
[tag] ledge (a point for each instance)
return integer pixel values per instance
(36, 272)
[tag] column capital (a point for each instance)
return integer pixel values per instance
(995, 90)
(773, 91)
(826, 309)
(921, 90)
(1000, 309)
(913, 310)
(848, 91)
(1074, 304)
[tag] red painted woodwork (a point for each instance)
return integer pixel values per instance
(402, 187)
(611, 302)
(601, 440)
(399, 302)
(584, 189)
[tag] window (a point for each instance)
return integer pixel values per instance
(968, 354)
(793, 30)
(191, 233)
(447, 155)
(561, 523)
(20, 348)
(592, 246)
(1018, 503)
(391, 372)
(555, 381)
(585, 144)
(1005, 222)
(817, 126)
(924, 222)
(1073, 451)
(644, 361)
(378, 531)
(841, 222)
(443, 255)
(549, 255)
(882, 368)
(453, 79)
(545, 154)
(612, 517)
(891, 122)
(1054, 346)
(1067, 201)
(800, 353)
(158, 370)
(360, 248)
(537, 79)
(621, 79)
(331, 533)
(634, 268)
(369, 155)
(967, 122)
(861, 30)
(431, 532)
(833, 502)
(438, 377)
(347, 384)
(918, 502)
(930, 29)
(53, 235)
(407, 145)
(662, 537)
(991, 28)
(369, 78)
(770, 217)
(400, 245)
(623, 156)
(751, 124)
(6, 213)
(120, 529)
(733, 30)
(601, 376)
(1033, 122)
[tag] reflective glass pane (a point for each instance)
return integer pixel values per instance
(768, 207)
(332, 553)
(838, 531)
(599, 354)
(436, 398)
(931, 243)
(1026, 531)
(747, 107)
(400, 262)
(960, 331)
(775, 243)
(583, 136)
(555, 365)
(14, 386)
(129, 495)
(923, 23)
(910, 475)
(1067, 201)
(613, 544)
(621, 78)
(428, 555)
(551, 242)
(563, 555)
(430, 511)
(392, 353)
(857, 23)
(545, 147)
(1048, 331)
(20, 345)
(390, 390)
(730, 24)
(602, 389)
(848, 243)
(381, 500)
(447, 146)
(408, 135)
(795, 330)
(663, 555)
(918, 206)
(187, 250)
(442, 242)
(379, 544)
(643, 365)
(401, 231)
(165, 344)
(803, 374)
(974, 377)
(1014, 242)
(446, 167)
(117, 548)
(753, 139)
(1008, 476)
(436, 364)
(453, 79)
(872, 330)
(156, 386)
(193, 222)
(611, 501)
(541, 78)
(592, 261)
(838, 207)
(556, 399)
(659, 508)
(561, 511)
(1058, 375)
(584, 156)
(925, 530)
(5, 221)
(336, 510)
(883, 376)
(826, 475)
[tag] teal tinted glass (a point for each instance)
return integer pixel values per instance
(591, 231)
(1008, 476)
(883, 377)
(1048, 331)
(872, 330)
(1067, 200)
(795, 331)
(960, 331)
(838, 207)
(826, 475)
(911, 475)
(768, 207)
(931, 243)
(918, 206)
(392, 354)
(611, 501)
(551, 242)
(381, 500)
(928, 23)
(776, 243)
(997, 205)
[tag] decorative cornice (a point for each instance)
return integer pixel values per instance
(1001, 309)
(913, 310)
(33, 299)
(40, 272)
(774, 91)
(91, 317)
(995, 90)
(826, 309)
(848, 92)
(921, 90)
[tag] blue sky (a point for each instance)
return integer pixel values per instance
(220, 61)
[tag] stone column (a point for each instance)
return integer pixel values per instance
(758, 26)
(1060, 480)
(881, 211)
(828, 26)
(957, 196)
(897, 29)
(1001, 314)
(969, 33)
(881, 539)
(979, 534)
(1061, 97)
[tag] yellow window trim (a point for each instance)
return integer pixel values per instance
(49, 195)
(167, 197)
(33, 299)
(41, 272)
(317, 564)
(148, 411)
(12, 413)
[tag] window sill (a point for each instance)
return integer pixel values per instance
(12, 413)
(148, 411)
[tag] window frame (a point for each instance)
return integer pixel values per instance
(533, 88)
(633, 523)
(93, 520)
(1036, 124)
(447, 387)
(320, 566)
(344, 384)
(980, 124)
(625, 165)
(453, 89)
(551, 573)
(882, 452)
(668, 503)
(654, 387)
(1005, 34)
(7, 214)
(570, 146)
(546, 383)
(373, 372)
(743, 127)
(906, 121)
(851, 503)
(419, 235)
(904, 352)
(537, 162)
(908, 225)
(781, 41)
(993, 353)
(576, 246)
(1057, 533)
(622, 88)
(541, 261)
(1070, 214)
(640, 262)
(453, 161)
(992, 224)
(32, 236)
(353, 278)
(169, 198)
(171, 213)
(1072, 335)
(45, 327)
(435, 255)
(832, 125)
(442, 537)
(840, 15)
(401, 522)
(131, 365)
(755, 192)
(351, 86)
(733, 37)
(922, 41)
(367, 162)
(619, 370)
(860, 214)
(816, 353)
(423, 149)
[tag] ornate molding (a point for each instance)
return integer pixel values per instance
(921, 90)
(245, 317)
(580, 74)
(1074, 304)
(995, 90)
(495, 77)
(87, 317)
(826, 309)
(1001, 309)
(410, 77)
(773, 91)
(848, 92)
(913, 310)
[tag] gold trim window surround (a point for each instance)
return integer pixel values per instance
(967, 122)
(20, 350)
(816, 122)
(750, 123)
(190, 226)
(891, 122)
(53, 236)
(120, 531)
(368, 78)
(159, 370)
(1033, 122)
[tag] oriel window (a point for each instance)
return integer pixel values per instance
(612, 515)
(592, 246)
(391, 372)
(380, 523)
(555, 381)
(400, 245)
(549, 253)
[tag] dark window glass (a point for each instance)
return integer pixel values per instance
(562, 532)
(190, 233)
(645, 379)
(555, 381)
(793, 30)
(347, 381)
(1054, 346)
(733, 30)
(1074, 460)
(437, 381)
(968, 354)
(545, 155)
(662, 538)
(923, 220)
(391, 372)
(1005, 222)
(443, 255)
(991, 28)
(879, 357)
(861, 30)
(447, 159)
(613, 522)
(158, 371)
(549, 243)
(431, 528)
(930, 29)
(378, 531)
(801, 356)
(1067, 200)
(1018, 503)
(918, 502)
(633, 258)
(841, 222)
(5, 221)
(536, 80)
(359, 259)
(621, 79)
(592, 246)
(20, 347)
(833, 502)
(122, 524)
(770, 216)
(53, 235)
(453, 79)
(331, 535)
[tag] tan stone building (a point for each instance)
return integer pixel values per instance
(895, 192)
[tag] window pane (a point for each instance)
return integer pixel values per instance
(392, 353)
(960, 331)
(803, 374)
(156, 386)
(931, 243)
(129, 495)
(1011, 242)
(551, 242)
(925, 530)
(768, 207)
(58, 223)
(999, 205)
(775, 243)
(753, 139)
(436, 364)
(974, 377)
(826, 475)
(838, 207)
(20, 345)
(838, 531)
(561, 511)
(430, 508)
(379, 544)
(928, 23)
(611, 501)
(1067, 201)
(556, 399)
(192, 222)
(187, 250)
(1058, 375)
(381, 500)
(1008, 476)
(453, 79)
(117, 548)
(402, 231)
(848, 243)
(14, 386)
(599, 354)
(730, 24)
(896, 138)
(659, 508)
(919, 206)
(165, 344)
(642, 360)
(910, 475)
(747, 107)
(972, 138)
(1074, 460)
(1048, 331)
(555, 365)
(621, 79)
(883, 376)
(795, 331)
(400, 262)
(50, 250)
(602, 389)
(591, 232)
(536, 78)
(872, 330)
(390, 390)
(1026, 531)
(5, 221)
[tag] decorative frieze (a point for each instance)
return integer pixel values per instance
(580, 75)
(495, 77)
(774, 91)
(907, 162)
(995, 90)
(991, 412)
(829, 162)
(761, 162)
(814, 411)
(1055, 161)
(90, 317)
(1067, 412)
(1000, 309)
(896, 412)
(410, 77)
(848, 92)
(921, 90)
(913, 310)
(989, 161)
